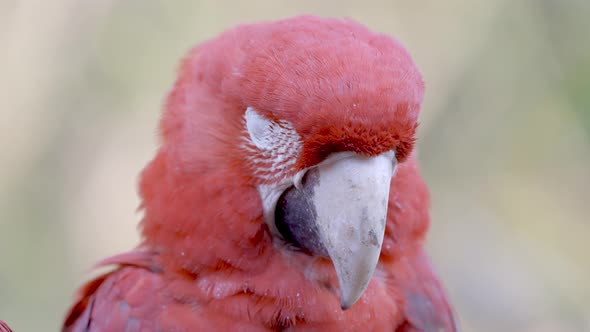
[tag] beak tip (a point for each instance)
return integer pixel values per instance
(348, 300)
(345, 305)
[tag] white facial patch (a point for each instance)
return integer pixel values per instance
(273, 146)
(260, 129)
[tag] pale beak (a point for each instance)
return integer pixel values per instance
(339, 211)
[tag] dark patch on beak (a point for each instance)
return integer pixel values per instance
(295, 216)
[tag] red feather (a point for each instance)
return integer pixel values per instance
(4, 327)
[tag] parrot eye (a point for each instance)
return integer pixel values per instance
(261, 130)
(273, 146)
(277, 137)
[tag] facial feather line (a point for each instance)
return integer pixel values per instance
(272, 147)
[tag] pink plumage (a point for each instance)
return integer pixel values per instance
(208, 260)
(4, 327)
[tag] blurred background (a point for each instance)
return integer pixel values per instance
(504, 142)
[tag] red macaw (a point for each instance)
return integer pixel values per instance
(284, 196)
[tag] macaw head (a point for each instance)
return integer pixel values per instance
(329, 112)
(285, 136)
